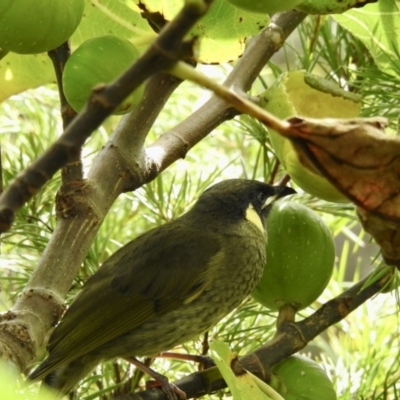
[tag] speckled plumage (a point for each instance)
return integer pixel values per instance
(165, 287)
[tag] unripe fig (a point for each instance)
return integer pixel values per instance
(303, 379)
(29, 27)
(297, 93)
(265, 6)
(300, 257)
(99, 60)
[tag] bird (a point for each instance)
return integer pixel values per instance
(167, 286)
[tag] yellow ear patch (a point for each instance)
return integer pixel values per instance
(253, 217)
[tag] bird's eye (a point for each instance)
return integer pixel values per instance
(261, 197)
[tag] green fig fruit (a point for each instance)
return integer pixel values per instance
(30, 27)
(96, 61)
(298, 93)
(303, 379)
(265, 6)
(300, 257)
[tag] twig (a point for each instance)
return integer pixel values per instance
(185, 71)
(73, 171)
(59, 58)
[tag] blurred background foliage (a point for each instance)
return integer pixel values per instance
(361, 353)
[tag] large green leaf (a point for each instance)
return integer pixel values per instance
(21, 72)
(378, 27)
(112, 17)
(223, 30)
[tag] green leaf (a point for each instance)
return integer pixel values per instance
(112, 17)
(377, 26)
(223, 30)
(245, 386)
(11, 387)
(21, 72)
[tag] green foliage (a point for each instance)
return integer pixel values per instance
(12, 389)
(222, 41)
(360, 354)
(376, 33)
(300, 93)
(244, 386)
(24, 119)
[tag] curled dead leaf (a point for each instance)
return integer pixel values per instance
(363, 163)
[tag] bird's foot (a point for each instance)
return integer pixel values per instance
(161, 381)
(167, 387)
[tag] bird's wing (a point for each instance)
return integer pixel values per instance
(142, 280)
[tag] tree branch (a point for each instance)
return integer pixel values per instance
(59, 58)
(290, 338)
(73, 171)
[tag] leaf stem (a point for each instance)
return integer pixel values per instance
(185, 71)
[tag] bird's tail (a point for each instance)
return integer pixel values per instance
(62, 379)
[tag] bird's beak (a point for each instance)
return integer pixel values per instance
(280, 191)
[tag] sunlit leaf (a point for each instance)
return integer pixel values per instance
(20, 72)
(112, 17)
(377, 26)
(244, 386)
(223, 30)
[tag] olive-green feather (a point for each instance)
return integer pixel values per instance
(141, 282)
(166, 286)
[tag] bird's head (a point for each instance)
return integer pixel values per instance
(233, 200)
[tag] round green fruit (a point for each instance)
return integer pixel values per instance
(99, 61)
(300, 257)
(30, 27)
(265, 6)
(303, 379)
(309, 180)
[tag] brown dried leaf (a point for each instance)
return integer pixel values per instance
(363, 163)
